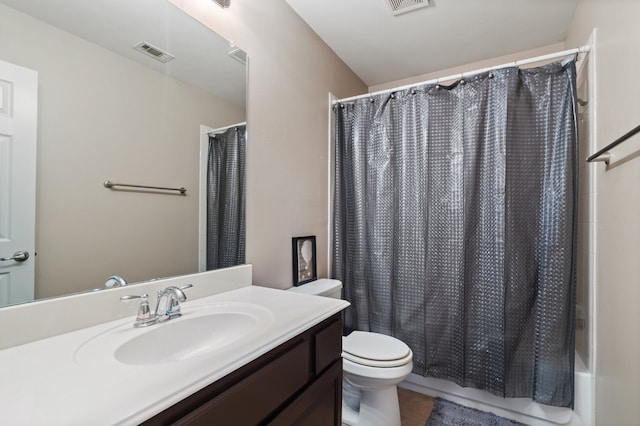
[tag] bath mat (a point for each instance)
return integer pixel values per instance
(447, 413)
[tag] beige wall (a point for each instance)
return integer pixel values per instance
(101, 116)
(617, 236)
(291, 72)
(500, 60)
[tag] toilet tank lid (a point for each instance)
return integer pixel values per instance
(318, 287)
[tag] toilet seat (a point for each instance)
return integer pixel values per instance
(375, 350)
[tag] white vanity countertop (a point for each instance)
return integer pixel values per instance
(45, 383)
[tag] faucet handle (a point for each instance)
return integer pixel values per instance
(179, 293)
(176, 291)
(169, 301)
(145, 317)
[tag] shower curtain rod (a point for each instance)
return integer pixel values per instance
(225, 128)
(582, 49)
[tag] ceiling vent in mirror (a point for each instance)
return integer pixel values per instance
(153, 51)
(403, 6)
(238, 54)
(222, 3)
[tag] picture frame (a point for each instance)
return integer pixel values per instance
(304, 259)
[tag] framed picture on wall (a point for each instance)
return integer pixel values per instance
(304, 259)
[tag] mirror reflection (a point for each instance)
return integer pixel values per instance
(108, 111)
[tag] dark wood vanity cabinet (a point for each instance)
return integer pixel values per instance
(297, 383)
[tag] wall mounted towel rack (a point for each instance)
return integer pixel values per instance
(109, 184)
(604, 155)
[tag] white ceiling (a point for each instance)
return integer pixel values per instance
(201, 57)
(380, 47)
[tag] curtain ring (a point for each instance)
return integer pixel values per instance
(371, 100)
(393, 96)
(413, 91)
(490, 74)
(462, 81)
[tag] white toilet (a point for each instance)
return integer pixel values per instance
(373, 364)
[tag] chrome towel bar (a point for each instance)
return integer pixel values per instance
(603, 155)
(109, 184)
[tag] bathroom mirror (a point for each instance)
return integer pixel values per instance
(109, 111)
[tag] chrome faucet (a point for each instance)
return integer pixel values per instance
(169, 302)
(168, 306)
(115, 281)
(145, 317)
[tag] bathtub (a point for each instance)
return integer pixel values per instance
(521, 409)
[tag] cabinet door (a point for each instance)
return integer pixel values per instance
(319, 405)
(254, 398)
(328, 346)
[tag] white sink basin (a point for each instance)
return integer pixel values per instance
(178, 340)
(201, 330)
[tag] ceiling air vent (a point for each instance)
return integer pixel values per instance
(153, 51)
(403, 6)
(222, 3)
(238, 54)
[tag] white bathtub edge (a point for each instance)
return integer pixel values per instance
(519, 409)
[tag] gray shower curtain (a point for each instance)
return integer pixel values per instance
(454, 227)
(226, 172)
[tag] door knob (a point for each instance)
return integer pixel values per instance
(19, 256)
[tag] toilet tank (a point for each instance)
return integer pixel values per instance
(322, 287)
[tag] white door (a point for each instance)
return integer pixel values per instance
(18, 129)
(202, 227)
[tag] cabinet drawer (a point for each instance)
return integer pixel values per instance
(257, 396)
(319, 405)
(328, 346)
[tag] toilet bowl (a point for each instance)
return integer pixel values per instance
(373, 364)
